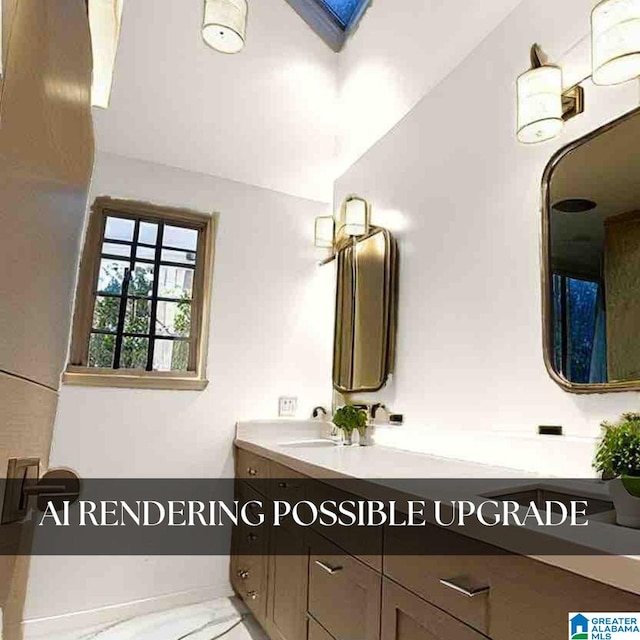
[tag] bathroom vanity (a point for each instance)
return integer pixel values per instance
(327, 591)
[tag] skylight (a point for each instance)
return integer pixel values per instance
(332, 20)
(346, 11)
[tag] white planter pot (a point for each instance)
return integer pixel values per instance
(627, 506)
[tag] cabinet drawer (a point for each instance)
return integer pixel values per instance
(251, 540)
(285, 484)
(405, 616)
(316, 632)
(250, 548)
(344, 594)
(532, 599)
(366, 538)
(250, 467)
(444, 579)
(249, 579)
(526, 599)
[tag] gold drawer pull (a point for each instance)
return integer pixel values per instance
(283, 485)
(243, 574)
(252, 595)
(328, 568)
(252, 472)
(461, 585)
(252, 537)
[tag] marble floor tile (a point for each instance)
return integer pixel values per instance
(224, 618)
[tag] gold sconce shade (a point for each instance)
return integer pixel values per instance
(356, 216)
(540, 111)
(324, 235)
(225, 24)
(615, 32)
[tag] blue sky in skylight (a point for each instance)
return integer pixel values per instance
(344, 10)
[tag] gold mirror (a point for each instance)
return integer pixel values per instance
(364, 344)
(591, 260)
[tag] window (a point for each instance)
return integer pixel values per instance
(143, 298)
(332, 20)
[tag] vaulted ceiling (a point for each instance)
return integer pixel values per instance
(272, 115)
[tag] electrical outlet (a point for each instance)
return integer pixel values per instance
(287, 407)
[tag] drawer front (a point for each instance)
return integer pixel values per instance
(316, 632)
(249, 579)
(460, 584)
(251, 540)
(285, 484)
(250, 467)
(405, 616)
(250, 548)
(526, 599)
(532, 599)
(354, 543)
(344, 593)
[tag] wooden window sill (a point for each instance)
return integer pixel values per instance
(133, 379)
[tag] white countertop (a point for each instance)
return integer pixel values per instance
(295, 444)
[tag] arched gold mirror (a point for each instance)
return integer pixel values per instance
(591, 260)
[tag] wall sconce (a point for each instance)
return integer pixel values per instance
(356, 214)
(225, 24)
(353, 222)
(543, 106)
(325, 232)
(615, 41)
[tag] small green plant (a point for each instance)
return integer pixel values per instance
(350, 418)
(619, 451)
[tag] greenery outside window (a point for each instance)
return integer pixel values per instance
(143, 299)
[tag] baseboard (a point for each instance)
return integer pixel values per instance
(39, 628)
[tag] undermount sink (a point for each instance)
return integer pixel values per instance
(540, 495)
(307, 444)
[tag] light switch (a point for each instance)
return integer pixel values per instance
(287, 407)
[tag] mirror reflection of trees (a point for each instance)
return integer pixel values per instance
(592, 266)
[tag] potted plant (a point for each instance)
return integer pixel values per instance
(618, 457)
(349, 419)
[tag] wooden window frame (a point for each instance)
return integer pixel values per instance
(78, 372)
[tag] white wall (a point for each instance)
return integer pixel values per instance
(401, 50)
(463, 197)
(271, 329)
(265, 116)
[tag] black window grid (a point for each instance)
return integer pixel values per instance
(154, 298)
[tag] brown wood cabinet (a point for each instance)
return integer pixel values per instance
(323, 592)
(287, 598)
(344, 593)
(249, 559)
(405, 616)
(316, 632)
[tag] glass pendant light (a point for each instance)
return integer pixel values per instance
(225, 24)
(615, 32)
